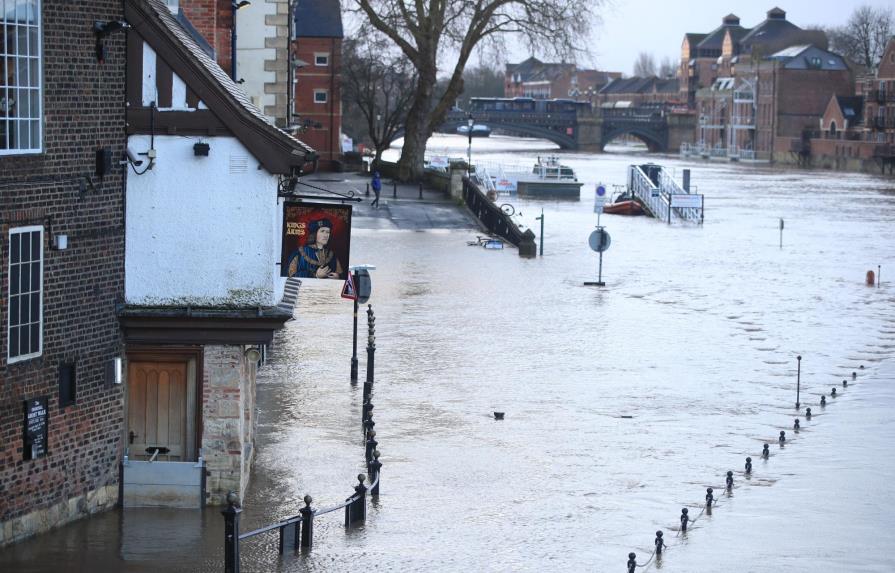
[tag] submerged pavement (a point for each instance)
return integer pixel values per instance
(400, 206)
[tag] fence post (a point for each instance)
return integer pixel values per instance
(231, 534)
(357, 510)
(394, 189)
(371, 445)
(367, 411)
(375, 468)
(421, 190)
(307, 524)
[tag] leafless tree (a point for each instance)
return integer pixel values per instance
(425, 31)
(377, 85)
(667, 69)
(644, 65)
(863, 38)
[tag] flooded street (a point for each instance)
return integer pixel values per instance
(622, 403)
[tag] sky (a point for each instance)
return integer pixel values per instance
(633, 26)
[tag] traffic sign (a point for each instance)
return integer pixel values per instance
(348, 290)
(599, 198)
(599, 240)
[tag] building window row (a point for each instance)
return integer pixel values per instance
(20, 77)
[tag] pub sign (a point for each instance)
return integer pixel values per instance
(316, 240)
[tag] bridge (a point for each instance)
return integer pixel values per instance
(587, 129)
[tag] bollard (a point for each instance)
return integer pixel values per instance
(357, 509)
(845, 382)
(807, 413)
(421, 190)
(861, 367)
(371, 446)
(854, 375)
(307, 524)
(870, 278)
(709, 497)
(782, 438)
(833, 393)
(765, 452)
(231, 534)
(684, 519)
(394, 189)
(748, 466)
(660, 543)
(796, 426)
(729, 480)
(369, 424)
(375, 474)
(368, 190)
(367, 411)
(632, 562)
(823, 401)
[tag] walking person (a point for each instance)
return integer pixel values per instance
(377, 187)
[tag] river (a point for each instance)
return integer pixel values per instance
(623, 403)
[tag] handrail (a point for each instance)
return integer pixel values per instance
(326, 510)
(286, 523)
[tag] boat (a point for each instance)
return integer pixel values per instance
(549, 177)
(478, 130)
(623, 204)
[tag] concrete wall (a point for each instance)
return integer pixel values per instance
(202, 231)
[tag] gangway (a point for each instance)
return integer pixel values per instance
(662, 197)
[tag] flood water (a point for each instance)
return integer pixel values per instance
(622, 403)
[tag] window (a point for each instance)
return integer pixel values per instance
(20, 77)
(321, 59)
(68, 392)
(25, 320)
(320, 96)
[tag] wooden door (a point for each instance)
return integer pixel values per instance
(157, 410)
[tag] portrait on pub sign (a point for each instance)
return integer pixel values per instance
(316, 240)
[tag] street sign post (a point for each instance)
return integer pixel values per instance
(599, 241)
(359, 288)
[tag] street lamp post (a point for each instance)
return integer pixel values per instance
(235, 6)
(469, 122)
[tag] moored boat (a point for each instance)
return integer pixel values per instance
(478, 130)
(623, 204)
(549, 177)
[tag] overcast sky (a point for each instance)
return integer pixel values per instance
(633, 26)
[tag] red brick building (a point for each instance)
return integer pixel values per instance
(61, 263)
(539, 80)
(317, 49)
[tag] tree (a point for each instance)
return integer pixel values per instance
(644, 65)
(481, 81)
(863, 38)
(425, 31)
(667, 69)
(377, 87)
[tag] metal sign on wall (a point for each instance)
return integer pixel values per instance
(36, 428)
(316, 240)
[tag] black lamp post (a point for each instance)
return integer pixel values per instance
(235, 6)
(469, 122)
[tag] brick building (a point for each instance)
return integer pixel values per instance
(539, 80)
(637, 91)
(317, 55)
(856, 132)
(755, 89)
(62, 269)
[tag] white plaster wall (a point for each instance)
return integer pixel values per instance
(251, 52)
(202, 231)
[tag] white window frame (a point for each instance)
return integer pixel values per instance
(321, 55)
(22, 98)
(10, 359)
(325, 94)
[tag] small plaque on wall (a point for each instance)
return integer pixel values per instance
(36, 428)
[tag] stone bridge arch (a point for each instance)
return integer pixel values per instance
(656, 140)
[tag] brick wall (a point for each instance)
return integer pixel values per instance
(83, 110)
(213, 19)
(325, 139)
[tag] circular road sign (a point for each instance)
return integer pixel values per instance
(599, 240)
(601, 191)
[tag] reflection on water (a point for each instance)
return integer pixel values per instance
(622, 404)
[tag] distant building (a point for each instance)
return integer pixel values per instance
(539, 80)
(755, 89)
(637, 91)
(317, 57)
